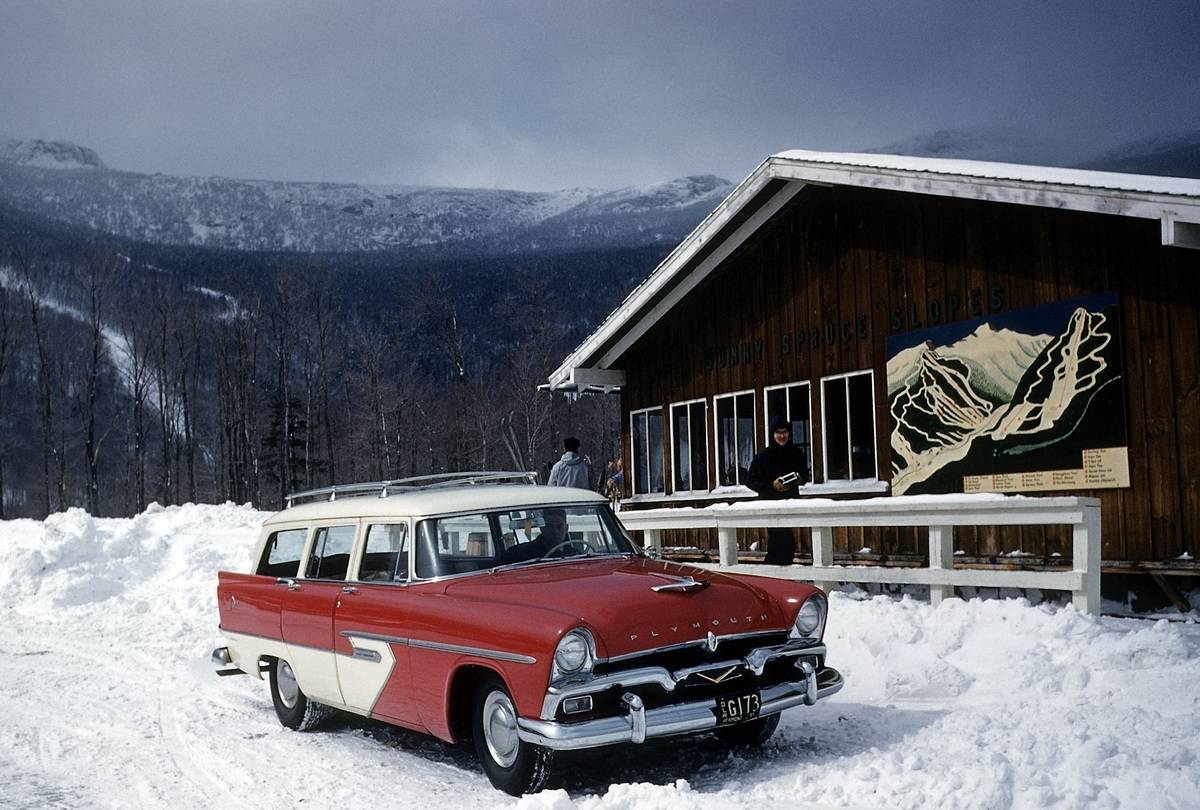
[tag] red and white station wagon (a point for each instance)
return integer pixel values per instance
(520, 617)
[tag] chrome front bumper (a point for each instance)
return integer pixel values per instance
(639, 723)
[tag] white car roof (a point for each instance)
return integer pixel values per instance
(447, 500)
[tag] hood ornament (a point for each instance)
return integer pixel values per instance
(711, 641)
(679, 583)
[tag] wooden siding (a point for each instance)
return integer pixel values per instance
(838, 255)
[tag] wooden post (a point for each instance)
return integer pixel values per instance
(653, 539)
(727, 545)
(941, 557)
(822, 552)
(1085, 551)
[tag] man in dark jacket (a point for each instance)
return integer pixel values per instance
(775, 473)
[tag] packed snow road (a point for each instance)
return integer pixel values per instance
(108, 699)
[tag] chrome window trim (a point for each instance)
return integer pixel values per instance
(499, 655)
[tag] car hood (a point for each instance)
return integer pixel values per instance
(614, 598)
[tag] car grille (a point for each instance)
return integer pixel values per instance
(695, 686)
(695, 655)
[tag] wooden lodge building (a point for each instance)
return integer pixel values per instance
(927, 326)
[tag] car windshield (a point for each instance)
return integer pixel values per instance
(460, 544)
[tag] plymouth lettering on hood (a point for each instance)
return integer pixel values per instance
(728, 623)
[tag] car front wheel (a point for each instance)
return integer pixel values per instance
(292, 706)
(748, 735)
(512, 765)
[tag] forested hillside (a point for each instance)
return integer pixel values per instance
(132, 372)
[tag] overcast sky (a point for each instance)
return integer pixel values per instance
(545, 95)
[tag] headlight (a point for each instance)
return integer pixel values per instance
(573, 654)
(810, 621)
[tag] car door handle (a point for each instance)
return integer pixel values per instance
(349, 589)
(292, 584)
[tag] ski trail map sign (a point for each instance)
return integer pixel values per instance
(1025, 401)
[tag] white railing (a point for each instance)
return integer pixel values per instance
(940, 514)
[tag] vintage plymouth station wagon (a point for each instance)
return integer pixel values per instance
(522, 618)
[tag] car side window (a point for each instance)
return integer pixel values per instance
(385, 556)
(281, 556)
(330, 558)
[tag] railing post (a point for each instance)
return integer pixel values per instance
(653, 538)
(1085, 554)
(727, 545)
(941, 557)
(822, 552)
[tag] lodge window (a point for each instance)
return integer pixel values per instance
(734, 420)
(848, 426)
(794, 403)
(689, 446)
(646, 430)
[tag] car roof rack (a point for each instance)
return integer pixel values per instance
(382, 489)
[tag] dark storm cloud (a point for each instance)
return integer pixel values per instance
(547, 95)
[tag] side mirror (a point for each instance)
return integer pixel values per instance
(653, 552)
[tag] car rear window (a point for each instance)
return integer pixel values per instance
(281, 557)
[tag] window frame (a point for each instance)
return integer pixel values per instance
(634, 465)
(355, 548)
(687, 403)
(717, 430)
(364, 529)
(767, 438)
(304, 547)
(870, 374)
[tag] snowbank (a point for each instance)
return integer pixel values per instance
(109, 701)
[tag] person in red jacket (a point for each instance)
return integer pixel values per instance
(775, 473)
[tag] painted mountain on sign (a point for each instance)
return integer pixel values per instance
(1005, 396)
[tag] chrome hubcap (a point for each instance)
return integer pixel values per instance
(500, 729)
(289, 690)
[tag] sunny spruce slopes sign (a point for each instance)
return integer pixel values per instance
(1025, 401)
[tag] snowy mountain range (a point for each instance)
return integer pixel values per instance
(1002, 401)
(69, 184)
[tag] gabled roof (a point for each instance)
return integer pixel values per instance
(594, 366)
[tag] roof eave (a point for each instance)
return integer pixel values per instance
(1178, 213)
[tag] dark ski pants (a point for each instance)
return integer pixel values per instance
(781, 547)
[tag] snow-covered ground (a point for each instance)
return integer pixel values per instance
(107, 699)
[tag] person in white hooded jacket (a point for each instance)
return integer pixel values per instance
(572, 470)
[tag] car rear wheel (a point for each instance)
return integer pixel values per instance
(292, 706)
(512, 765)
(748, 735)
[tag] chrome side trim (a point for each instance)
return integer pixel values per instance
(499, 655)
(755, 661)
(684, 718)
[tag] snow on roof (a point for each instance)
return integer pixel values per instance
(985, 170)
(1174, 201)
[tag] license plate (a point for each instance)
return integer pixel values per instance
(737, 708)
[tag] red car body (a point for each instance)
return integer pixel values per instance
(665, 643)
